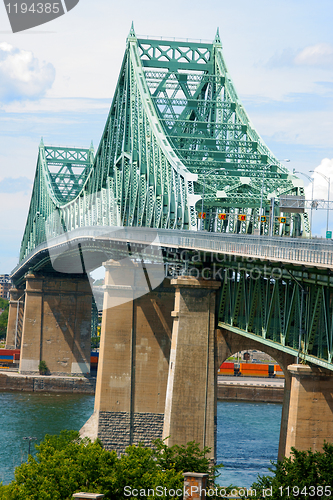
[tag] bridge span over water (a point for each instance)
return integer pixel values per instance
(182, 206)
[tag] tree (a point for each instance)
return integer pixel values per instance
(305, 474)
(95, 342)
(189, 458)
(42, 367)
(3, 323)
(4, 304)
(66, 464)
(138, 469)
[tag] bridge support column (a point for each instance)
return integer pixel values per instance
(56, 325)
(133, 360)
(190, 408)
(310, 416)
(15, 314)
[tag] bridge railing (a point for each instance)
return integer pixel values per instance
(298, 251)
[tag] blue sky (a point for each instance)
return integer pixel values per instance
(57, 81)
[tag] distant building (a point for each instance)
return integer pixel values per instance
(5, 286)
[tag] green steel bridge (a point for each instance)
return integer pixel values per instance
(180, 159)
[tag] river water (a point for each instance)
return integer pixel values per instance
(247, 440)
(247, 433)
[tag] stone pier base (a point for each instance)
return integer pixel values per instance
(133, 360)
(120, 429)
(310, 416)
(56, 325)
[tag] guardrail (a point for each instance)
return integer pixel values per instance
(292, 250)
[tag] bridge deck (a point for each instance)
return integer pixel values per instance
(307, 252)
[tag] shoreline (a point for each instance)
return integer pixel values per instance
(227, 390)
(17, 382)
(264, 391)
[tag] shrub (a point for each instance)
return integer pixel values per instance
(309, 473)
(66, 464)
(42, 367)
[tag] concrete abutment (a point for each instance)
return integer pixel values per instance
(190, 406)
(56, 324)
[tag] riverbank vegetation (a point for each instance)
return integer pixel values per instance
(65, 464)
(305, 474)
(4, 307)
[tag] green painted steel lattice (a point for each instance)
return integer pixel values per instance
(176, 128)
(265, 303)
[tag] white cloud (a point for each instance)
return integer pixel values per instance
(320, 54)
(320, 185)
(22, 76)
(320, 192)
(57, 105)
(11, 185)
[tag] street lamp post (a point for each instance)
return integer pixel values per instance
(262, 189)
(262, 192)
(328, 180)
(203, 195)
(29, 438)
(311, 179)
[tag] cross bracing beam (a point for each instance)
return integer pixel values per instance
(176, 128)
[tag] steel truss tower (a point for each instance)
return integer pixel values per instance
(177, 138)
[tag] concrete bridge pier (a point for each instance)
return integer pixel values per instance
(56, 324)
(190, 407)
(134, 357)
(310, 412)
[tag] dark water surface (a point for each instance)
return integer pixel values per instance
(247, 433)
(36, 414)
(247, 440)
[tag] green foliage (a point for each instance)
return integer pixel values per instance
(3, 323)
(65, 464)
(305, 470)
(182, 458)
(4, 304)
(95, 342)
(139, 469)
(42, 367)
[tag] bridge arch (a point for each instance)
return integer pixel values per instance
(227, 343)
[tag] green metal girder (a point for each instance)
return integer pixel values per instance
(60, 176)
(258, 305)
(209, 129)
(176, 127)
